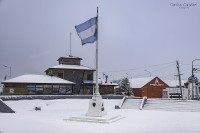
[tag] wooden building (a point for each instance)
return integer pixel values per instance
(76, 79)
(104, 87)
(70, 68)
(37, 84)
(151, 87)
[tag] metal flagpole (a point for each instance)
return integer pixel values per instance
(70, 43)
(97, 85)
(96, 105)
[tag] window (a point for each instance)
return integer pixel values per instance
(69, 89)
(90, 77)
(31, 89)
(47, 89)
(62, 90)
(60, 75)
(56, 89)
(39, 89)
(39, 86)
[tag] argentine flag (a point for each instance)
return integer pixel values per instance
(87, 31)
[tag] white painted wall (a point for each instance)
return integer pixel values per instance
(177, 90)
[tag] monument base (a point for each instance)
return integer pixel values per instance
(96, 113)
(104, 120)
(96, 107)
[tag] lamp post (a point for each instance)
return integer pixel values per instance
(9, 68)
(193, 78)
(129, 75)
(148, 72)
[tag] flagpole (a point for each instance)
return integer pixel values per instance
(96, 105)
(70, 44)
(97, 85)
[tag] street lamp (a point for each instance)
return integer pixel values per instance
(129, 75)
(148, 72)
(9, 68)
(193, 78)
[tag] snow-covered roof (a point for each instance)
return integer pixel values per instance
(70, 57)
(74, 67)
(175, 83)
(40, 79)
(100, 82)
(103, 82)
(139, 82)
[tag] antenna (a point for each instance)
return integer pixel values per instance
(70, 44)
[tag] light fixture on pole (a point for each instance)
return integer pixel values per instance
(129, 75)
(148, 72)
(193, 78)
(9, 68)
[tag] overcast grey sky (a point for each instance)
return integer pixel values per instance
(133, 35)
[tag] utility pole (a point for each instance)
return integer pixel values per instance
(193, 82)
(179, 78)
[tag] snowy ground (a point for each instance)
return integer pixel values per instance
(50, 118)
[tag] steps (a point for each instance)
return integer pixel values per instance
(163, 105)
(172, 105)
(131, 104)
(4, 108)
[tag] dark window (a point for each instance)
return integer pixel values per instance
(89, 77)
(60, 75)
(62, 90)
(39, 90)
(56, 90)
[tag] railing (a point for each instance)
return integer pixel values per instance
(144, 100)
(121, 103)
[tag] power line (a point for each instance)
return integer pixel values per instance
(137, 68)
(188, 64)
(156, 70)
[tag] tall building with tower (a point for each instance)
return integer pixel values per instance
(70, 68)
(68, 77)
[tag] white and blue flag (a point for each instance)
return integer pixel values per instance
(87, 31)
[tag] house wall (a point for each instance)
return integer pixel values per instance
(137, 92)
(106, 89)
(153, 89)
(69, 61)
(87, 90)
(177, 90)
(153, 92)
(103, 89)
(76, 76)
(18, 89)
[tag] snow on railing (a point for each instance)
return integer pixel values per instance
(144, 100)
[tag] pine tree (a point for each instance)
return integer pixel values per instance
(124, 87)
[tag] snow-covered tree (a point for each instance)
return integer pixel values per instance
(124, 87)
